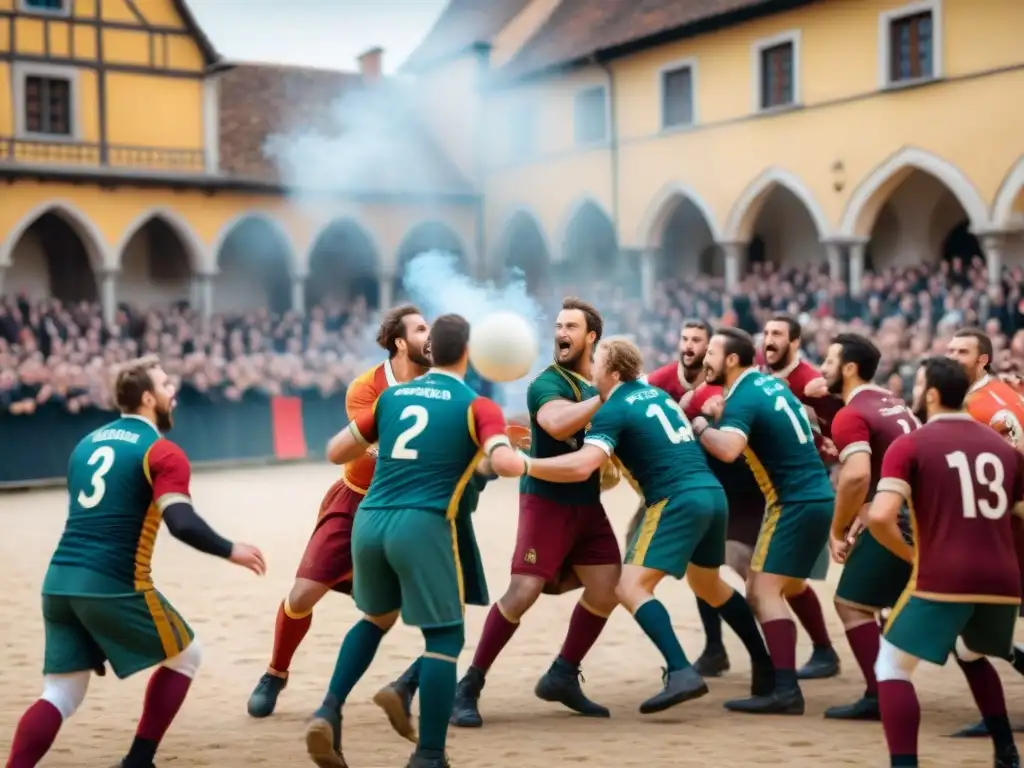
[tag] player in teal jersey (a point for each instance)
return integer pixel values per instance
(99, 601)
(431, 434)
(761, 419)
(684, 527)
(563, 529)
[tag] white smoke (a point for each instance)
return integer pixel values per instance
(435, 284)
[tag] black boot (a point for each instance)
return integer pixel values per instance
(680, 685)
(561, 683)
(466, 710)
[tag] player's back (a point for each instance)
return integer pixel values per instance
(427, 448)
(878, 415)
(997, 404)
(780, 442)
(656, 443)
(964, 481)
(111, 516)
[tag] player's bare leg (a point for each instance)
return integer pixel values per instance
(681, 682)
(323, 733)
(294, 617)
(767, 595)
(561, 683)
(501, 623)
(714, 660)
(864, 634)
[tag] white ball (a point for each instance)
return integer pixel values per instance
(503, 346)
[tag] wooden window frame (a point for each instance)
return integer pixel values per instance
(886, 20)
(23, 71)
(758, 49)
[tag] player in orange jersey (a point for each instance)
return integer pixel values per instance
(997, 404)
(327, 562)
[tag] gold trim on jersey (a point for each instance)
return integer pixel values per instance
(143, 575)
(568, 375)
(456, 499)
(772, 509)
(648, 528)
(164, 628)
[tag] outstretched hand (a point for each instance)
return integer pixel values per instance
(248, 556)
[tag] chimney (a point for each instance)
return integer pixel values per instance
(371, 64)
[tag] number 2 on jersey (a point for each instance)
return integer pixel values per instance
(401, 449)
(781, 404)
(104, 456)
(988, 473)
(683, 434)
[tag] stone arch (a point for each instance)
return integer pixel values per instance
(523, 250)
(739, 227)
(343, 265)
(681, 228)
(872, 193)
(255, 260)
(427, 236)
(199, 258)
(589, 245)
(909, 207)
(55, 250)
(1005, 212)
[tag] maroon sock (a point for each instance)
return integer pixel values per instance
(584, 629)
(985, 687)
(165, 694)
(901, 716)
(497, 632)
(289, 631)
(808, 611)
(864, 641)
(780, 637)
(34, 735)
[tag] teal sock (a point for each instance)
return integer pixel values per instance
(354, 657)
(438, 679)
(655, 622)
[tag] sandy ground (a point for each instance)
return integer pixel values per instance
(233, 613)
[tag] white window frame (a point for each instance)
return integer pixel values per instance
(607, 116)
(885, 21)
(791, 36)
(668, 69)
(63, 12)
(24, 70)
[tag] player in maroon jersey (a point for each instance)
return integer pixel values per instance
(873, 577)
(963, 483)
(781, 346)
(683, 378)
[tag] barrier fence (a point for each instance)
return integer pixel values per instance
(34, 449)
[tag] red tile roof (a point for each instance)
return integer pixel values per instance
(260, 101)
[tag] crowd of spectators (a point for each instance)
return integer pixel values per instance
(58, 354)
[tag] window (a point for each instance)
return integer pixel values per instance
(911, 47)
(677, 96)
(47, 105)
(45, 6)
(591, 116)
(775, 63)
(777, 76)
(522, 136)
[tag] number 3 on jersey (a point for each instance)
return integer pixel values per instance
(989, 474)
(683, 434)
(420, 417)
(104, 457)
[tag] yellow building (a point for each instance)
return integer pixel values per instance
(608, 136)
(135, 168)
(698, 136)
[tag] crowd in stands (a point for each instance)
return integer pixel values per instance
(57, 354)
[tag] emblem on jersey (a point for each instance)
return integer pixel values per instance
(531, 556)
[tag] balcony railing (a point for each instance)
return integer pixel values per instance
(80, 154)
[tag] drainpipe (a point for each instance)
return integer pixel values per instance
(613, 145)
(484, 268)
